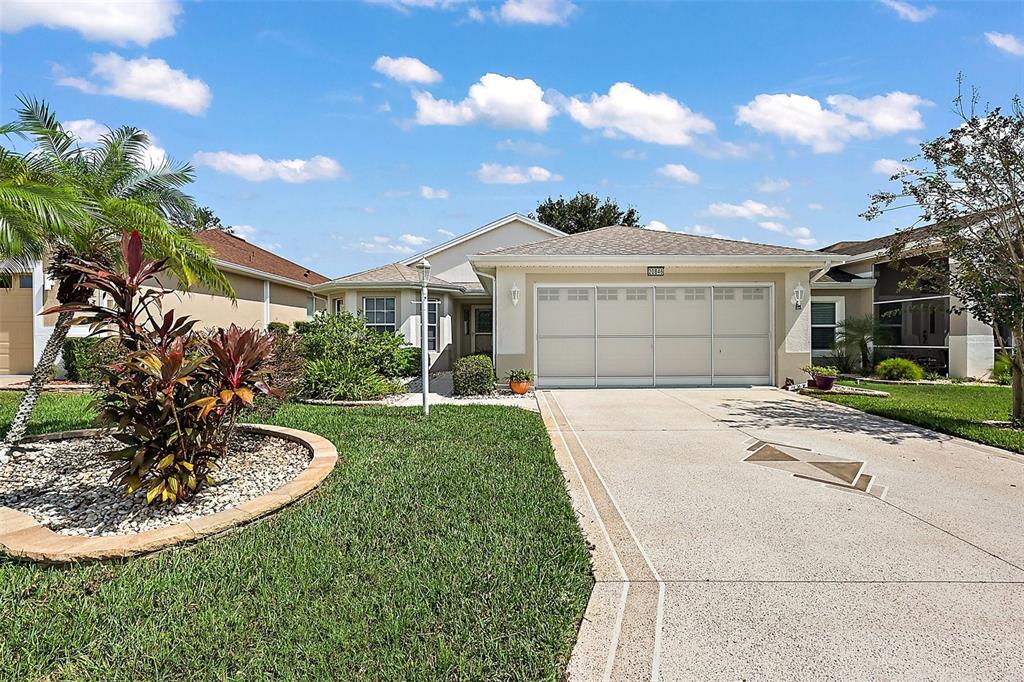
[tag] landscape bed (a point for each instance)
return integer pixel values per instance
(954, 409)
(441, 548)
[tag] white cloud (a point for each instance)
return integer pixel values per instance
(632, 155)
(769, 185)
(382, 244)
(87, 132)
(657, 226)
(499, 101)
(384, 108)
(525, 147)
(705, 231)
(888, 167)
(151, 80)
(406, 70)
(255, 168)
(543, 12)
(1006, 42)
(413, 240)
(475, 14)
(749, 209)
(497, 174)
(117, 21)
(433, 193)
(802, 235)
(270, 246)
(679, 173)
(816, 207)
(910, 12)
(246, 232)
(650, 117)
(445, 233)
(805, 120)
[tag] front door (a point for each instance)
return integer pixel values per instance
(481, 329)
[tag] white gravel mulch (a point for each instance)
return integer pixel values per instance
(63, 484)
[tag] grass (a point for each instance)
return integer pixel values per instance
(948, 408)
(441, 549)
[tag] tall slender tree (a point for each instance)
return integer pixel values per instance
(96, 194)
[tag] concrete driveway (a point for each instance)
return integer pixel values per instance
(754, 534)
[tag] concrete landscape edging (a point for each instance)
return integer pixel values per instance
(21, 536)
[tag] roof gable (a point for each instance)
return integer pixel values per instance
(497, 224)
(620, 240)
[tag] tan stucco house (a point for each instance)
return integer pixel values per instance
(618, 306)
(268, 288)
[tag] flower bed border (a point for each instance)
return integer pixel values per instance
(21, 536)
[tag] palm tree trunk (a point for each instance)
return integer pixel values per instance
(40, 375)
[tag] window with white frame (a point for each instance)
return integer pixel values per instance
(548, 294)
(724, 294)
(577, 294)
(694, 294)
(339, 306)
(604, 294)
(433, 305)
(826, 315)
(663, 294)
(380, 313)
(636, 294)
(753, 294)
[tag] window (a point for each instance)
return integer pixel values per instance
(607, 294)
(694, 294)
(310, 307)
(725, 294)
(823, 325)
(380, 313)
(753, 294)
(432, 308)
(662, 294)
(339, 306)
(636, 294)
(578, 294)
(25, 281)
(548, 294)
(5, 281)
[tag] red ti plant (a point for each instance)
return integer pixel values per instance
(174, 400)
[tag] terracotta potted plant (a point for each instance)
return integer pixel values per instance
(519, 380)
(822, 378)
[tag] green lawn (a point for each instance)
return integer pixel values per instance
(441, 549)
(949, 408)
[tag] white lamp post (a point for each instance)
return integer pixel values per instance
(424, 269)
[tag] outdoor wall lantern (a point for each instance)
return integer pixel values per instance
(515, 294)
(798, 296)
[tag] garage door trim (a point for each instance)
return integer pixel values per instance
(593, 381)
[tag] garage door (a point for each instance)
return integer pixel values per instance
(653, 335)
(15, 324)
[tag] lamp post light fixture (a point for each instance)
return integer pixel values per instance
(423, 267)
(797, 299)
(514, 291)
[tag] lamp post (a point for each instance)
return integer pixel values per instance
(424, 269)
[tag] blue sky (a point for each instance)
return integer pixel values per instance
(764, 121)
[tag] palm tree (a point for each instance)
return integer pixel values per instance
(112, 190)
(858, 335)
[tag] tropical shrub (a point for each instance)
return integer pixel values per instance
(1001, 370)
(85, 357)
(300, 326)
(334, 379)
(473, 375)
(285, 370)
(409, 361)
(899, 369)
(278, 328)
(175, 397)
(520, 375)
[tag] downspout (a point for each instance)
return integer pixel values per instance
(823, 271)
(494, 318)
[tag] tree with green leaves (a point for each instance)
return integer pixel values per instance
(65, 204)
(970, 184)
(203, 218)
(856, 335)
(584, 212)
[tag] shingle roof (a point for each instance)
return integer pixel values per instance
(620, 240)
(855, 248)
(236, 250)
(392, 273)
(839, 276)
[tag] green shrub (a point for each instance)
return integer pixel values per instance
(409, 364)
(278, 328)
(300, 326)
(285, 369)
(84, 358)
(520, 375)
(1002, 370)
(899, 369)
(345, 337)
(473, 375)
(334, 379)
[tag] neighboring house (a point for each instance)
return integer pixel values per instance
(619, 306)
(917, 323)
(268, 289)
(460, 308)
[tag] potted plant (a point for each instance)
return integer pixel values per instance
(519, 380)
(822, 378)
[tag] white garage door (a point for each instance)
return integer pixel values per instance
(653, 336)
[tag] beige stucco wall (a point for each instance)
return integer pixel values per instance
(288, 304)
(856, 302)
(452, 265)
(515, 323)
(217, 311)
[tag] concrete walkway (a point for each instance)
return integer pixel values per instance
(732, 541)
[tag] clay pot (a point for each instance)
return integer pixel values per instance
(519, 387)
